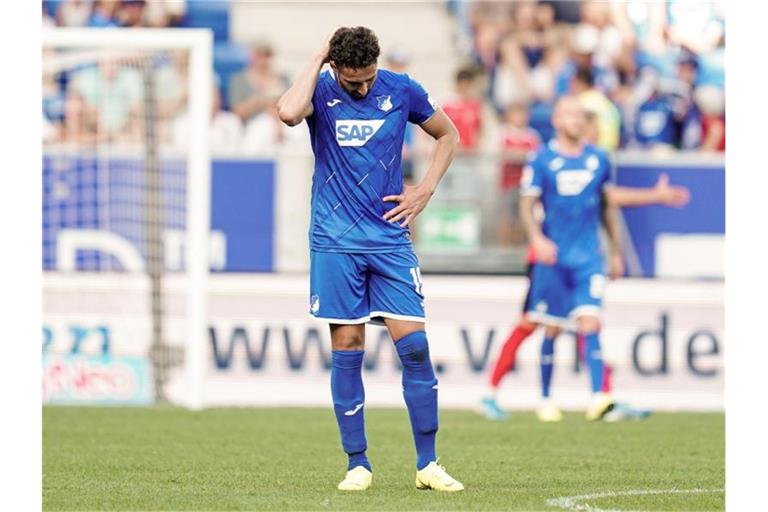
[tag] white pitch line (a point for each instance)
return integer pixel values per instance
(572, 502)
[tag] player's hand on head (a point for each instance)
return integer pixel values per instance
(545, 250)
(617, 266)
(325, 50)
(412, 201)
(671, 195)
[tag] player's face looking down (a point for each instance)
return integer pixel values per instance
(569, 119)
(357, 82)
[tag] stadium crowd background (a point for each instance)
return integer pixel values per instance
(650, 72)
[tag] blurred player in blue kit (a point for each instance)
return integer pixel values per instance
(571, 180)
(363, 266)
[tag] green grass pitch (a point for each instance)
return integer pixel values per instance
(167, 458)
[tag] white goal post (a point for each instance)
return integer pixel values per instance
(198, 44)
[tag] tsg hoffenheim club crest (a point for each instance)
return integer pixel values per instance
(385, 103)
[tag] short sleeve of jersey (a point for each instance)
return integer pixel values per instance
(532, 180)
(317, 96)
(420, 105)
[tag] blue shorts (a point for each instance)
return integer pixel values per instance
(559, 292)
(354, 288)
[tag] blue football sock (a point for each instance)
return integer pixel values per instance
(547, 364)
(348, 399)
(594, 360)
(420, 392)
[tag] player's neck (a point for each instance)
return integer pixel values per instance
(569, 147)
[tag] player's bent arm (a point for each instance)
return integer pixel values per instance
(543, 247)
(296, 103)
(442, 129)
(531, 227)
(414, 199)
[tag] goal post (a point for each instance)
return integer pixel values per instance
(72, 48)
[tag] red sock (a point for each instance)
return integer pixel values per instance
(506, 359)
(607, 384)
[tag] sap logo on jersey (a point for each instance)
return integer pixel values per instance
(356, 132)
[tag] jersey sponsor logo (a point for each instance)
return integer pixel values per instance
(356, 132)
(572, 183)
(333, 102)
(385, 103)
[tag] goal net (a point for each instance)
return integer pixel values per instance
(126, 216)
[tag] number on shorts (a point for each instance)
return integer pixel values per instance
(416, 275)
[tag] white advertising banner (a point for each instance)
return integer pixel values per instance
(664, 339)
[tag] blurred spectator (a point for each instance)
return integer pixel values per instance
(397, 60)
(711, 102)
(257, 88)
(266, 133)
(584, 44)
(641, 24)
(104, 14)
(131, 13)
(510, 80)
(654, 123)
(697, 26)
(54, 102)
(225, 132)
(74, 13)
(544, 76)
(526, 30)
(104, 102)
(164, 13)
(566, 10)
(489, 21)
(518, 139)
(172, 87)
(593, 100)
(687, 113)
(465, 109)
(609, 39)
(48, 20)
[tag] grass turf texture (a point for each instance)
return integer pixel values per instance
(276, 459)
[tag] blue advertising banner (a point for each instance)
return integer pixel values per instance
(102, 199)
(704, 215)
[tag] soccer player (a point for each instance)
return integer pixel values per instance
(571, 179)
(662, 194)
(363, 267)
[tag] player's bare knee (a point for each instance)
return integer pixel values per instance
(552, 332)
(348, 337)
(588, 324)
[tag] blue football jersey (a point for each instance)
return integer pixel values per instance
(358, 146)
(571, 191)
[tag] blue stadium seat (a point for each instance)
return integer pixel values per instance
(228, 60)
(213, 14)
(540, 120)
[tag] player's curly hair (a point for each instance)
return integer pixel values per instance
(354, 47)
